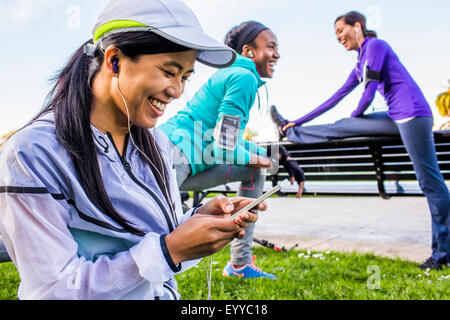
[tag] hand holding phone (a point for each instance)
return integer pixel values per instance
(260, 199)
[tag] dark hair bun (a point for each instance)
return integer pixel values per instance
(233, 36)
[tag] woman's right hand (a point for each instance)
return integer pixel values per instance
(289, 125)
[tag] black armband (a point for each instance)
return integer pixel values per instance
(227, 131)
(371, 75)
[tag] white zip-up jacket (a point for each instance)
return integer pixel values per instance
(61, 244)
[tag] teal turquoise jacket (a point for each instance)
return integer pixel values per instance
(230, 91)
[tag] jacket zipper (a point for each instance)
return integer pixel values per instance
(127, 168)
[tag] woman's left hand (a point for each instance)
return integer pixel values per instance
(210, 229)
(221, 205)
(289, 125)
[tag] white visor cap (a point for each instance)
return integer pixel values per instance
(171, 19)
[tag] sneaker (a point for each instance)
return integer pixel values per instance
(432, 264)
(246, 272)
(279, 121)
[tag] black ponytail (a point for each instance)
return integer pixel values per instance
(352, 17)
(71, 99)
(370, 33)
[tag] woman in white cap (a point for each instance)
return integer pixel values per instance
(89, 205)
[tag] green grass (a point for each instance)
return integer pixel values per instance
(331, 276)
(9, 281)
(335, 276)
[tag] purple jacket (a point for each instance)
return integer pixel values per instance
(380, 69)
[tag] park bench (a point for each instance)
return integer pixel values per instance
(357, 166)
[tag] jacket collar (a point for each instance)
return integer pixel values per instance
(250, 65)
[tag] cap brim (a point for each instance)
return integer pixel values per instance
(210, 51)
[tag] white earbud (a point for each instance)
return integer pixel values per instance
(250, 54)
(357, 37)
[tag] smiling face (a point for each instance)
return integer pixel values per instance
(351, 37)
(148, 84)
(265, 52)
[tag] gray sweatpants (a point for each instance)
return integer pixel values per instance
(252, 183)
(374, 124)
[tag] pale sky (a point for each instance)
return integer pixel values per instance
(38, 36)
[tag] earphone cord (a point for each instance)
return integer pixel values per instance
(208, 276)
(265, 111)
(142, 153)
(267, 98)
(359, 56)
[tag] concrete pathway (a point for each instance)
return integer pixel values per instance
(398, 228)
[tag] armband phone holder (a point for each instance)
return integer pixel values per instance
(226, 132)
(370, 75)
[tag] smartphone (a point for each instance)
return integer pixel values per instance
(259, 200)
